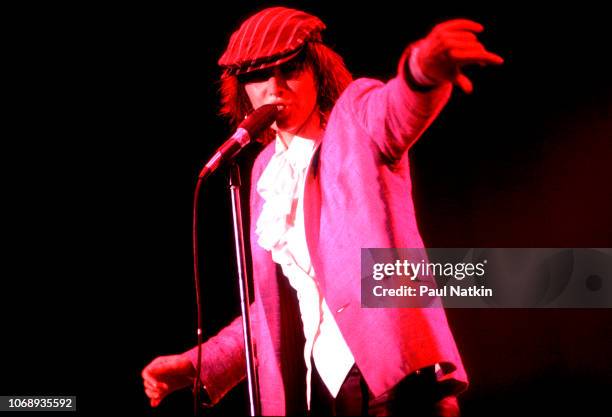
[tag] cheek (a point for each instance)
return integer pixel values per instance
(312, 89)
(254, 95)
(307, 91)
(313, 96)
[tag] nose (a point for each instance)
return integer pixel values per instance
(276, 83)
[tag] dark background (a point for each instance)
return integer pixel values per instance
(112, 110)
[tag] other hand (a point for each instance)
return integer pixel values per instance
(450, 46)
(166, 374)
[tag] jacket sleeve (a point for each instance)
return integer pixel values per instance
(395, 114)
(223, 364)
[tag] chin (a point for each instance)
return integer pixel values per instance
(284, 126)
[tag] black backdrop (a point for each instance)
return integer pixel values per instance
(113, 109)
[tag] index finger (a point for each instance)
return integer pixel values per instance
(464, 57)
(460, 24)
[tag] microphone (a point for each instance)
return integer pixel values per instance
(250, 128)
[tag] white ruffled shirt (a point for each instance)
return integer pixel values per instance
(280, 230)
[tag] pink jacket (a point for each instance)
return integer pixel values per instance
(357, 195)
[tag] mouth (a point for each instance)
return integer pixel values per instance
(281, 106)
(283, 111)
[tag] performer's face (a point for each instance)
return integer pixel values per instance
(291, 85)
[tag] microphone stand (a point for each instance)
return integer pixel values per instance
(243, 283)
(251, 127)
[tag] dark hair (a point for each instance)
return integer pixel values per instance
(330, 72)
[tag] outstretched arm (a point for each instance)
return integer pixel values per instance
(395, 114)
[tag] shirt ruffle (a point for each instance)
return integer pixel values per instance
(279, 187)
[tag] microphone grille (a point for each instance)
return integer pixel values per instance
(259, 120)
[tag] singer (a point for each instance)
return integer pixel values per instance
(333, 179)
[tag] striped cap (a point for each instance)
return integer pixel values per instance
(269, 38)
